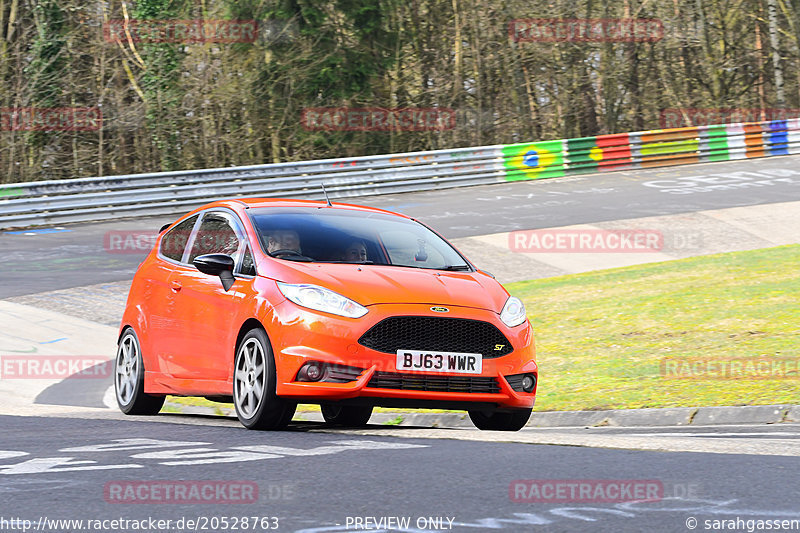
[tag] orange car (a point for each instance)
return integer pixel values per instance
(269, 303)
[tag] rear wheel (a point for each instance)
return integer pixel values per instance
(500, 420)
(346, 415)
(129, 378)
(254, 378)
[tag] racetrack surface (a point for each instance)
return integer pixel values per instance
(313, 480)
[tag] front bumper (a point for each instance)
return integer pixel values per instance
(300, 335)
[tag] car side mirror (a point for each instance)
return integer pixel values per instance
(216, 265)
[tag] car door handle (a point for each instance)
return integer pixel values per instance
(176, 285)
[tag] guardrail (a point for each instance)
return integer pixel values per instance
(92, 199)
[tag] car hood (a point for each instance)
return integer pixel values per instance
(376, 284)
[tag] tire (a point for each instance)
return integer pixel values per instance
(500, 420)
(254, 378)
(129, 378)
(353, 416)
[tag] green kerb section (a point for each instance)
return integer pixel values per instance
(670, 147)
(534, 160)
(583, 155)
(15, 191)
(718, 143)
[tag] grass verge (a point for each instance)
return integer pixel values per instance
(601, 336)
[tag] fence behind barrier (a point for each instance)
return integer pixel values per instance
(91, 199)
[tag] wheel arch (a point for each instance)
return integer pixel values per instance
(250, 323)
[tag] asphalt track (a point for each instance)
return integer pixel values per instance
(76, 255)
(314, 480)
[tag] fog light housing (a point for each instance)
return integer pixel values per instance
(311, 372)
(522, 382)
(528, 382)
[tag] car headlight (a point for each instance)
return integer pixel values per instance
(513, 313)
(322, 299)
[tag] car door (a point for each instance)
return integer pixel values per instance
(159, 297)
(205, 311)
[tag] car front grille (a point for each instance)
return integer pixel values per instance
(436, 334)
(470, 384)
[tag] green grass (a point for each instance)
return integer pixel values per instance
(601, 335)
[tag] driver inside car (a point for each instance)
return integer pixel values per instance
(283, 239)
(356, 252)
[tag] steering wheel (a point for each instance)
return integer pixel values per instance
(288, 251)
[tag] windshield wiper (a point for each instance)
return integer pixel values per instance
(456, 267)
(290, 257)
(349, 262)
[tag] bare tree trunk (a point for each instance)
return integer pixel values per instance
(762, 104)
(772, 15)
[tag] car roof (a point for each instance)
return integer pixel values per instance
(250, 203)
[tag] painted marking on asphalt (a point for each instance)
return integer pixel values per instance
(8, 454)
(54, 340)
(46, 465)
(119, 445)
(199, 456)
(173, 456)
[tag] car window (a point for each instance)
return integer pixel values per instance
(248, 264)
(174, 241)
(349, 236)
(406, 248)
(215, 236)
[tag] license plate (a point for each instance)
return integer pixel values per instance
(461, 363)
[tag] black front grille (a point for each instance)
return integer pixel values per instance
(472, 384)
(436, 334)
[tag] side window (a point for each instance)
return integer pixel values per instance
(248, 264)
(215, 236)
(174, 242)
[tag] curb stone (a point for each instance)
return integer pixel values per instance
(769, 414)
(671, 416)
(793, 414)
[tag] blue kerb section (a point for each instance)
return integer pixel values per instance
(37, 231)
(778, 138)
(55, 340)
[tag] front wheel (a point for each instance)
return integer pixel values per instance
(254, 378)
(129, 379)
(346, 415)
(500, 420)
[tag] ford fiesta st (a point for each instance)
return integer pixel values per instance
(269, 303)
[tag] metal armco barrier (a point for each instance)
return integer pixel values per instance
(92, 199)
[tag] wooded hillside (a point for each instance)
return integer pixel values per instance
(208, 102)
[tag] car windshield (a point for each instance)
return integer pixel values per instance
(330, 235)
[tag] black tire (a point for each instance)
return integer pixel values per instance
(266, 411)
(129, 378)
(353, 416)
(500, 420)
